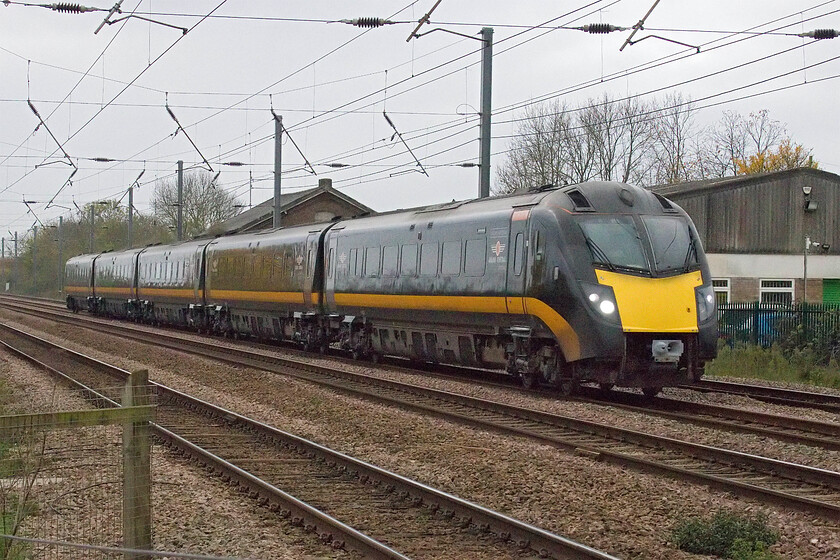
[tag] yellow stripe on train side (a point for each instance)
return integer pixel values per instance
(184, 293)
(265, 297)
(77, 289)
(566, 335)
(655, 304)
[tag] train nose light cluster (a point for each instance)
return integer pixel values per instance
(705, 297)
(600, 298)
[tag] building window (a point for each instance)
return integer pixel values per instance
(776, 292)
(721, 288)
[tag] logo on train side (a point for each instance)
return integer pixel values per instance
(497, 249)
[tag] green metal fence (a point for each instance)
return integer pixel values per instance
(766, 324)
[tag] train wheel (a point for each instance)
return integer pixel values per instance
(651, 392)
(606, 387)
(568, 386)
(530, 379)
(375, 357)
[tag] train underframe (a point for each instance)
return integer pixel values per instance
(650, 361)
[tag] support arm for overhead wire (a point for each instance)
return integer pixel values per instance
(181, 128)
(60, 147)
(69, 181)
(292, 140)
(407, 147)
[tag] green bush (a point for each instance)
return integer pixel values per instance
(726, 535)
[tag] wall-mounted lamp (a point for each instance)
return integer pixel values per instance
(810, 205)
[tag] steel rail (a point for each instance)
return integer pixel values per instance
(526, 536)
(714, 466)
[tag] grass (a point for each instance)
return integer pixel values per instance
(773, 364)
(727, 535)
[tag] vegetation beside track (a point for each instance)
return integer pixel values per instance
(777, 363)
(727, 535)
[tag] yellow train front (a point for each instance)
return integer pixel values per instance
(625, 271)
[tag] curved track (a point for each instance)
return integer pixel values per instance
(320, 486)
(793, 485)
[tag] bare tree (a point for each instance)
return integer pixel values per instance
(540, 153)
(204, 203)
(673, 132)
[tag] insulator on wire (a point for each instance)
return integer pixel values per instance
(67, 8)
(600, 28)
(821, 34)
(369, 22)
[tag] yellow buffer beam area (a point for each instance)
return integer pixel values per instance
(655, 304)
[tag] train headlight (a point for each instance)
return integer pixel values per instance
(705, 296)
(602, 299)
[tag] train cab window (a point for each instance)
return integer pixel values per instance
(389, 261)
(371, 261)
(518, 253)
(428, 259)
(408, 260)
(451, 265)
(475, 257)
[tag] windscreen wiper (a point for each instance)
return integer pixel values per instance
(599, 253)
(691, 249)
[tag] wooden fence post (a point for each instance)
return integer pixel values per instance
(137, 487)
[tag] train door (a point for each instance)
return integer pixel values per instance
(335, 262)
(311, 293)
(517, 269)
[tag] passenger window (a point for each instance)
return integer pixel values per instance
(352, 265)
(428, 259)
(517, 254)
(451, 265)
(476, 252)
(408, 260)
(389, 261)
(371, 261)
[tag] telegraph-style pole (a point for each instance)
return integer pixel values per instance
(15, 263)
(60, 255)
(130, 215)
(278, 158)
(486, 107)
(180, 224)
(90, 244)
(35, 259)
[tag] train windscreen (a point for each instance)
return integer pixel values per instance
(614, 242)
(672, 243)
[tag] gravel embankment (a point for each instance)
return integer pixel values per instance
(192, 513)
(623, 512)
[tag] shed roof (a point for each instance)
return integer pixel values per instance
(678, 190)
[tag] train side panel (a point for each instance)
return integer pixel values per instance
(78, 282)
(267, 284)
(169, 283)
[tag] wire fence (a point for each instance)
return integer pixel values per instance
(798, 324)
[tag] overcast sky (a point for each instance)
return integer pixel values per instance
(328, 82)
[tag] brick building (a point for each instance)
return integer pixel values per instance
(318, 204)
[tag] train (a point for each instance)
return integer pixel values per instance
(600, 282)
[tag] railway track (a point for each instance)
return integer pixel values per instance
(346, 502)
(789, 484)
(773, 395)
(787, 428)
